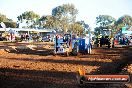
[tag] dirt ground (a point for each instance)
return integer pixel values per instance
(24, 65)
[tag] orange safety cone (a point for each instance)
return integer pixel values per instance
(82, 71)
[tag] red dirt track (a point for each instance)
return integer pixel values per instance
(34, 66)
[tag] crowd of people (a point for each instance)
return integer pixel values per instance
(105, 40)
(25, 37)
(124, 40)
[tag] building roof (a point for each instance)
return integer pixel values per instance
(25, 29)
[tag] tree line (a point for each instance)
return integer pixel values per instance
(109, 23)
(63, 18)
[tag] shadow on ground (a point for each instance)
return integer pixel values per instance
(14, 78)
(29, 51)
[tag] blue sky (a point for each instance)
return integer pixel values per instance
(88, 9)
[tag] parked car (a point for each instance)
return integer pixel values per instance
(45, 39)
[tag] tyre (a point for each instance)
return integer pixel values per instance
(54, 53)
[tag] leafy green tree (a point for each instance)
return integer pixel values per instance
(104, 22)
(30, 17)
(66, 15)
(85, 26)
(125, 20)
(8, 22)
(49, 21)
(20, 18)
(3, 18)
(76, 28)
(97, 31)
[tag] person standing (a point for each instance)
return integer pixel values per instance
(27, 37)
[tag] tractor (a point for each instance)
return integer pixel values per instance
(68, 44)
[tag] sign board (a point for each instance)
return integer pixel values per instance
(123, 28)
(127, 32)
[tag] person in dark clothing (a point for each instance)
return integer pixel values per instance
(27, 37)
(22, 37)
(123, 41)
(102, 41)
